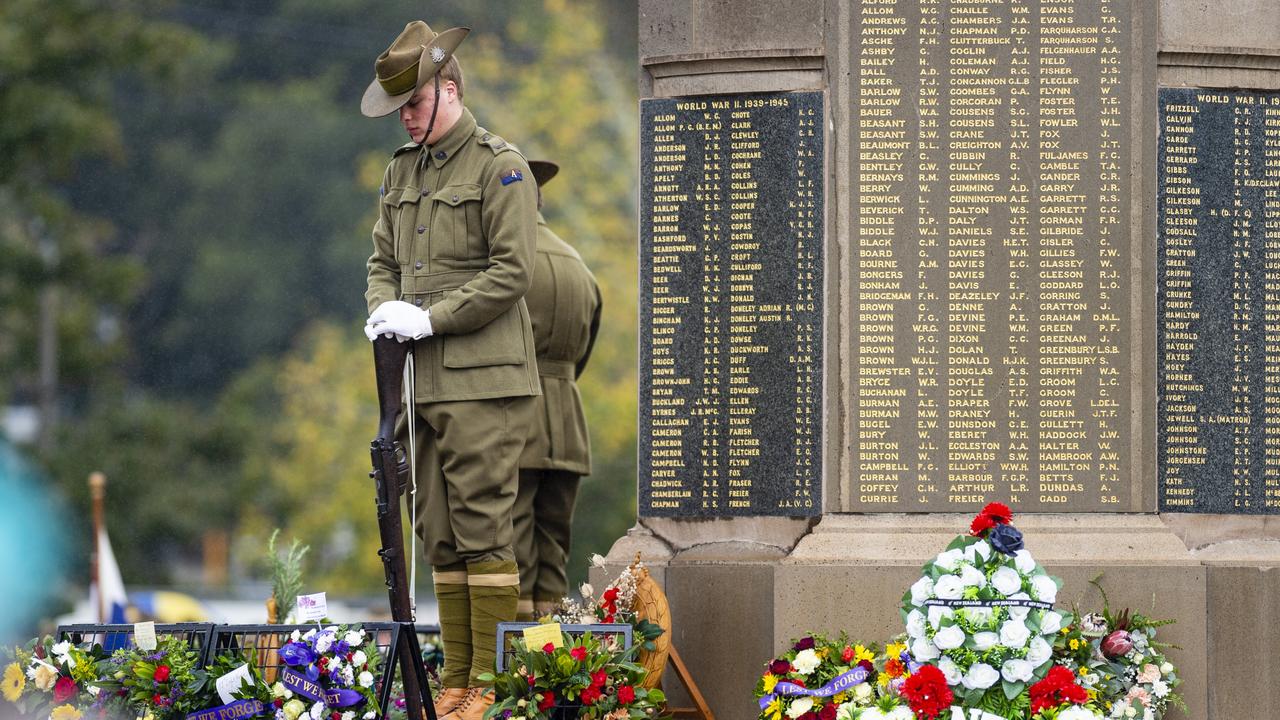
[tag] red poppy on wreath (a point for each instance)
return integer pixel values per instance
(927, 693)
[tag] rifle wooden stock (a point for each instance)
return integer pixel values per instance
(388, 477)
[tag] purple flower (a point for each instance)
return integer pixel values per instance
(341, 648)
(1006, 539)
(296, 653)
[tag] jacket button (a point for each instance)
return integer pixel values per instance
(418, 302)
(455, 198)
(426, 192)
(422, 229)
(417, 265)
(442, 155)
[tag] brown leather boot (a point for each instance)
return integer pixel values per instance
(448, 700)
(473, 705)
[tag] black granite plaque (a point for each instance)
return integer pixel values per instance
(731, 258)
(1218, 303)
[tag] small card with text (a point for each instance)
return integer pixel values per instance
(144, 635)
(539, 635)
(312, 607)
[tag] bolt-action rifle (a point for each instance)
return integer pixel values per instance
(390, 470)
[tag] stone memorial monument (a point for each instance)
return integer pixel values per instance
(901, 258)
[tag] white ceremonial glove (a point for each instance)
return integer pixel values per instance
(404, 320)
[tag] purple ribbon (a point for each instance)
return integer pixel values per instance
(331, 697)
(232, 711)
(839, 684)
(1008, 602)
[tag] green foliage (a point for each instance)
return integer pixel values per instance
(286, 574)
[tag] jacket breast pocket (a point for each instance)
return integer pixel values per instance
(455, 221)
(500, 342)
(403, 205)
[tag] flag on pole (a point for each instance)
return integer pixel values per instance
(110, 586)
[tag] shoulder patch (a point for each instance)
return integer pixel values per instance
(511, 176)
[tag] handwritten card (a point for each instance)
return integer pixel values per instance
(231, 682)
(312, 607)
(144, 635)
(538, 636)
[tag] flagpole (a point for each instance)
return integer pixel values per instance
(98, 490)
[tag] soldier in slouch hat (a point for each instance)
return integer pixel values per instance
(453, 254)
(564, 302)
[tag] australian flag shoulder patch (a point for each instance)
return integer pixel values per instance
(512, 175)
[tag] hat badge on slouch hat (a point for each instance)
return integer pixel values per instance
(413, 59)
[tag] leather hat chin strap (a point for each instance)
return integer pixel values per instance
(435, 108)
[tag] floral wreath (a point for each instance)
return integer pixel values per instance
(982, 611)
(335, 668)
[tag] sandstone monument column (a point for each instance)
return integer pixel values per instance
(901, 258)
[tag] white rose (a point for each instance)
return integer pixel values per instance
(366, 679)
(862, 692)
(358, 658)
(922, 590)
(1160, 688)
(937, 613)
(923, 650)
(1051, 622)
(984, 641)
(979, 549)
(1024, 562)
(806, 661)
(1044, 588)
(1166, 668)
(948, 587)
(800, 707)
(1130, 711)
(1019, 613)
(915, 624)
(1006, 581)
(1039, 651)
(1014, 634)
(949, 638)
(1075, 712)
(950, 670)
(948, 560)
(1015, 670)
(901, 712)
(980, 676)
(972, 577)
(277, 690)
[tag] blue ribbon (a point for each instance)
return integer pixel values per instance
(232, 711)
(839, 684)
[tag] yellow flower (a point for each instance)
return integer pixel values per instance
(822, 653)
(884, 678)
(893, 650)
(65, 712)
(14, 682)
(839, 698)
(770, 681)
(774, 710)
(1074, 644)
(1084, 671)
(860, 653)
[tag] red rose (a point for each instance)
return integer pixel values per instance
(626, 694)
(278, 702)
(548, 648)
(547, 702)
(64, 690)
(590, 695)
(927, 693)
(847, 654)
(162, 673)
(828, 712)
(578, 653)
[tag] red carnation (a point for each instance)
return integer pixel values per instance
(811, 715)
(548, 700)
(162, 673)
(626, 694)
(548, 648)
(779, 667)
(1057, 687)
(579, 653)
(847, 654)
(64, 690)
(927, 693)
(866, 665)
(278, 702)
(599, 678)
(993, 514)
(590, 695)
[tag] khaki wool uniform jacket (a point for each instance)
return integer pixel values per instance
(456, 234)
(564, 303)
